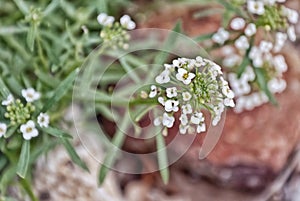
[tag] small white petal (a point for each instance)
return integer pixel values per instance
(237, 23)
(250, 30)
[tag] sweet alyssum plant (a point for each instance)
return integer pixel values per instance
(250, 40)
(44, 44)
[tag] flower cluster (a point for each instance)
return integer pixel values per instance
(244, 41)
(20, 114)
(188, 86)
(114, 34)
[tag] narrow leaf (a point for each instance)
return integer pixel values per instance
(162, 158)
(56, 132)
(24, 159)
(31, 35)
(130, 71)
(262, 83)
(28, 188)
(111, 156)
(203, 37)
(73, 155)
(60, 91)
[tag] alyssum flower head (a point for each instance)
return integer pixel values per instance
(114, 34)
(188, 86)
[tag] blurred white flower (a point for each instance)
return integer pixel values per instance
(201, 128)
(127, 22)
(250, 30)
(221, 36)
(9, 100)
(237, 23)
(280, 39)
(231, 60)
(280, 64)
(183, 128)
(256, 7)
(269, 2)
(291, 33)
(43, 120)
(291, 14)
(3, 129)
(277, 85)
(28, 130)
(105, 20)
(30, 95)
(265, 46)
(242, 43)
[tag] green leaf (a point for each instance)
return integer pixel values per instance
(169, 44)
(22, 6)
(7, 176)
(208, 12)
(24, 159)
(60, 91)
(72, 153)
(56, 132)
(102, 6)
(130, 71)
(12, 30)
(51, 7)
(11, 131)
(243, 65)
(28, 188)
(203, 37)
(3, 89)
(162, 158)
(262, 83)
(31, 35)
(111, 156)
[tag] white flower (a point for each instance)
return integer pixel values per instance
(269, 2)
(291, 14)
(265, 46)
(161, 100)
(237, 23)
(163, 77)
(105, 20)
(250, 30)
(9, 100)
(30, 95)
(279, 41)
(201, 128)
(291, 33)
(153, 91)
(221, 36)
(187, 109)
(186, 96)
(183, 119)
(248, 74)
(168, 121)
(227, 92)
(43, 120)
(171, 92)
(157, 121)
(171, 106)
(280, 1)
(256, 7)
(183, 128)
(216, 120)
(184, 76)
(127, 22)
(229, 102)
(277, 85)
(231, 60)
(28, 130)
(256, 56)
(280, 64)
(242, 43)
(3, 129)
(197, 118)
